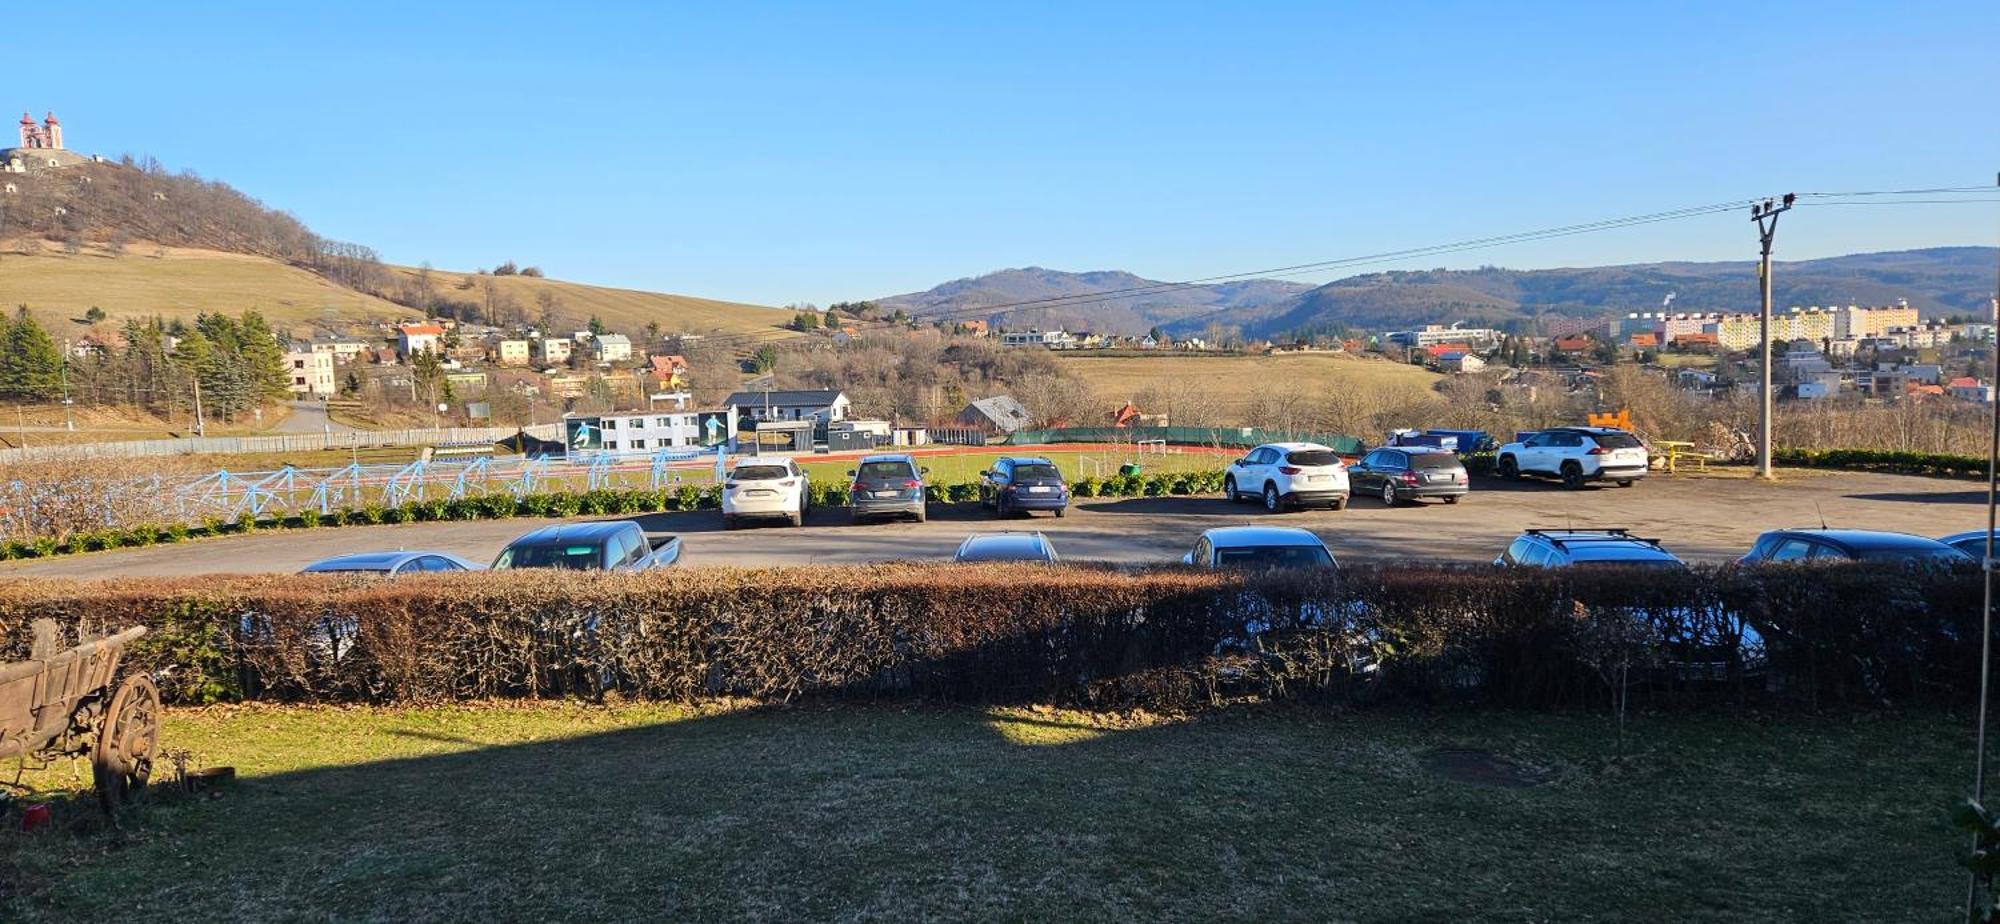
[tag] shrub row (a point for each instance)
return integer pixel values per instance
(1882, 460)
(604, 502)
(1827, 636)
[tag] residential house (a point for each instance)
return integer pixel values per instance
(310, 372)
(823, 406)
(1000, 412)
(1052, 339)
(612, 348)
(1456, 361)
(641, 433)
(424, 337)
(512, 352)
(1574, 344)
(343, 349)
(975, 328)
(1967, 388)
(554, 350)
(668, 371)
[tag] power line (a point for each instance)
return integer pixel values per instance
(1083, 299)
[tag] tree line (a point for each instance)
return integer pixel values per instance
(235, 364)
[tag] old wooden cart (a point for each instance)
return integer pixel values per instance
(63, 704)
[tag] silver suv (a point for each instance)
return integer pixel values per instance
(1562, 548)
(1577, 455)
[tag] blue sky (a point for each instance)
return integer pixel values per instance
(804, 152)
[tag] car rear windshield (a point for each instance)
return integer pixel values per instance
(1273, 556)
(573, 557)
(761, 472)
(1004, 551)
(1312, 457)
(882, 470)
(1616, 440)
(1039, 471)
(1434, 460)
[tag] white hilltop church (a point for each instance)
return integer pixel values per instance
(41, 148)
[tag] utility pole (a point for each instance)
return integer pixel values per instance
(1986, 603)
(1765, 214)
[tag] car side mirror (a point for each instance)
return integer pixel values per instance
(850, 473)
(923, 471)
(1187, 559)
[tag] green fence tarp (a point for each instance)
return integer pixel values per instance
(1183, 436)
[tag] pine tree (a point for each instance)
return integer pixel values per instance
(30, 364)
(262, 358)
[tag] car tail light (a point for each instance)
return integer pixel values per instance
(1596, 451)
(1007, 490)
(731, 485)
(786, 483)
(913, 483)
(1410, 478)
(1288, 469)
(857, 488)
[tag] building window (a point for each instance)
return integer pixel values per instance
(638, 444)
(611, 444)
(663, 422)
(610, 423)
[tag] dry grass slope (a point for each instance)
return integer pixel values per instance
(178, 282)
(174, 283)
(623, 309)
(1234, 380)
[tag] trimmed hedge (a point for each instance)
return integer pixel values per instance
(1881, 460)
(1853, 635)
(602, 502)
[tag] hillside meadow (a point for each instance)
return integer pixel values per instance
(1235, 382)
(179, 282)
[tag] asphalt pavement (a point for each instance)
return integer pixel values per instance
(1698, 518)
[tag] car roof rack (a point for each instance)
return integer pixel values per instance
(1616, 534)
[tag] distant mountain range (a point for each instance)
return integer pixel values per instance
(1133, 313)
(1937, 281)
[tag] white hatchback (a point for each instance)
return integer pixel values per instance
(1288, 475)
(765, 488)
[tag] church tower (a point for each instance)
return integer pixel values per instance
(52, 131)
(31, 136)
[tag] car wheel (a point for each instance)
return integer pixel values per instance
(1573, 476)
(728, 522)
(1060, 511)
(1624, 484)
(798, 519)
(1271, 501)
(1229, 490)
(920, 514)
(1451, 498)
(1339, 504)
(1509, 469)
(1388, 494)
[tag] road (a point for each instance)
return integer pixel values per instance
(1701, 519)
(309, 417)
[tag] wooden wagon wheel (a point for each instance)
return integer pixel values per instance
(123, 758)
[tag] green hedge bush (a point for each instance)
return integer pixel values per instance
(1861, 636)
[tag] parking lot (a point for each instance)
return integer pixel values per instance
(1699, 518)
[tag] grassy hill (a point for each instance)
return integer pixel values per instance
(626, 310)
(1234, 381)
(175, 282)
(178, 282)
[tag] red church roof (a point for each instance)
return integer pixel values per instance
(51, 119)
(27, 119)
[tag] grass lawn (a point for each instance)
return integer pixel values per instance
(511, 812)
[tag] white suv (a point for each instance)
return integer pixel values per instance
(1577, 455)
(1288, 475)
(765, 488)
